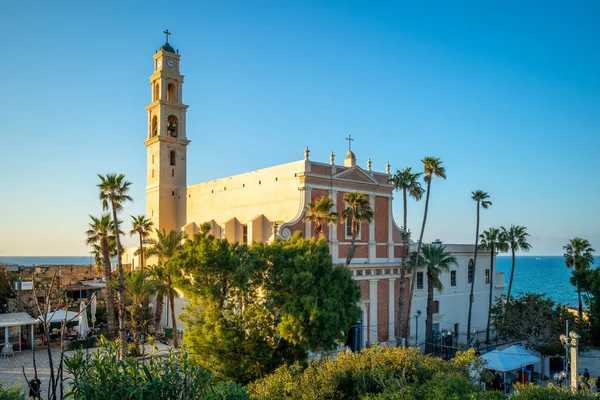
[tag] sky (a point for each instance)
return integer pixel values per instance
(506, 93)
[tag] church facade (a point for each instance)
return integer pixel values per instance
(261, 205)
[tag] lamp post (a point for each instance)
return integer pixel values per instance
(417, 328)
(559, 377)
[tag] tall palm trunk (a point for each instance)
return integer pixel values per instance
(122, 315)
(512, 273)
(403, 268)
(173, 318)
(351, 251)
(429, 320)
(141, 253)
(414, 271)
(580, 309)
(487, 330)
(474, 275)
(160, 301)
(110, 297)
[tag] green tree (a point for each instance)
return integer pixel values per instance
(319, 214)
(436, 260)
(142, 227)
(492, 240)
(254, 308)
(482, 200)
(432, 166)
(516, 236)
(533, 318)
(157, 272)
(100, 235)
(588, 282)
(409, 184)
(113, 193)
(357, 211)
(579, 256)
(138, 286)
(164, 247)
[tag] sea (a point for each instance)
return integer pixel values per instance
(537, 274)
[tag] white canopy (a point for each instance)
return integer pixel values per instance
(16, 319)
(510, 359)
(59, 316)
(498, 361)
(522, 354)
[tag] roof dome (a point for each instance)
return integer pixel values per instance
(167, 47)
(350, 154)
(350, 160)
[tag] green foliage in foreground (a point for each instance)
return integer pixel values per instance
(254, 308)
(102, 376)
(531, 392)
(12, 392)
(392, 374)
(376, 373)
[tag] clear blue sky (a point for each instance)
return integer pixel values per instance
(506, 93)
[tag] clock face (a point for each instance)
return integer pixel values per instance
(170, 63)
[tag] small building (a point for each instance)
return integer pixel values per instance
(16, 329)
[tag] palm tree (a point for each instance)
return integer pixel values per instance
(320, 215)
(408, 182)
(157, 273)
(437, 260)
(164, 247)
(142, 227)
(100, 236)
(138, 286)
(578, 256)
(516, 237)
(492, 240)
(113, 193)
(432, 166)
(482, 200)
(357, 211)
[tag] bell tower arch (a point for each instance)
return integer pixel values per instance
(166, 142)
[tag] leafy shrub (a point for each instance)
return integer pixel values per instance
(375, 373)
(531, 392)
(12, 392)
(101, 375)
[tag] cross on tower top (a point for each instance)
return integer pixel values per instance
(167, 33)
(350, 140)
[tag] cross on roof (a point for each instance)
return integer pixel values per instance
(167, 33)
(350, 140)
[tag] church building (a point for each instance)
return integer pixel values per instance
(261, 205)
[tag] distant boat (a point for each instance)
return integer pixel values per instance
(537, 258)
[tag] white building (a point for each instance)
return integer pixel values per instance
(452, 303)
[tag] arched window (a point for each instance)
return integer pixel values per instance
(154, 130)
(172, 157)
(172, 126)
(156, 91)
(171, 92)
(471, 271)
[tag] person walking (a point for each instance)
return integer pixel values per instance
(35, 386)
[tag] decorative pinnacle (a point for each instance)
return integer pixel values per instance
(369, 164)
(387, 168)
(306, 153)
(331, 158)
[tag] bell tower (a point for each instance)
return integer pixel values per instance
(166, 142)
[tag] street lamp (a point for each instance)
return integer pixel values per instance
(560, 377)
(417, 328)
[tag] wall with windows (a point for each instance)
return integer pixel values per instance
(453, 299)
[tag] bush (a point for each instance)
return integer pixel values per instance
(531, 392)
(12, 392)
(376, 373)
(102, 376)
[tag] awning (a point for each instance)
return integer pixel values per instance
(59, 316)
(17, 319)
